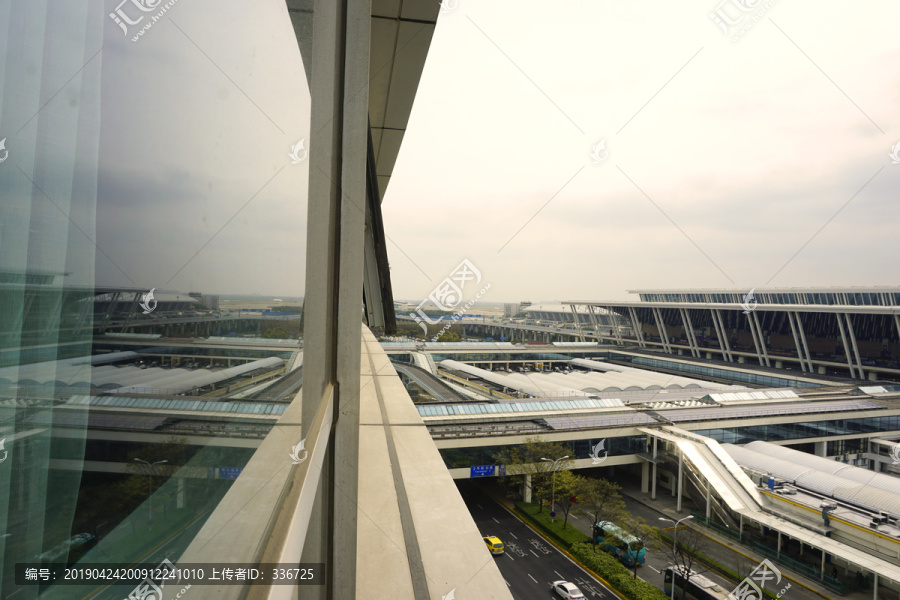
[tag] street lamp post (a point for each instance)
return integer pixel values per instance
(675, 547)
(553, 486)
(150, 468)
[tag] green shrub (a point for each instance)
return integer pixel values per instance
(615, 573)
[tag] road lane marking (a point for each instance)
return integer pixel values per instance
(507, 583)
(560, 576)
(651, 566)
(532, 578)
(512, 534)
(535, 553)
(479, 506)
(495, 520)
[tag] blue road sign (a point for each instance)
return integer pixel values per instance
(481, 470)
(230, 472)
(502, 339)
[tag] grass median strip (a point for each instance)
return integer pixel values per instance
(578, 546)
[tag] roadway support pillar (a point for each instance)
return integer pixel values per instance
(778, 553)
(741, 530)
(708, 499)
(680, 479)
(527, 491)
(645, 478)
(875, 587)
(822, 571)
(653, 474)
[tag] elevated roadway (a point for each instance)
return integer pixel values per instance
(439, 390)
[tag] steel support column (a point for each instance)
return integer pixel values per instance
(840, 321)
(790, 316)
(636, 325)
(755, 340)
(614, 324)
(852, 336)
(689, 333)
(803, 341)
(762, 339)
(718, 315)
(661, 329)
(577, 323)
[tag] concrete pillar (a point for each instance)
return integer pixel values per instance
(779, 545)
(821, 370)
(821, 449)
(653, 474)
(527, 493)
(680, 480)
(741, 359)
(708, 499)
(779, 364)
(873, 376)
(709, 356)
(645, 478)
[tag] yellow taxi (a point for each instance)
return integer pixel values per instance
(494, 544)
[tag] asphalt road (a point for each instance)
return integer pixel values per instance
(530, 563)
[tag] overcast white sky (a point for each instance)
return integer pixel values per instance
(725, 159)
(197, 191)
(748, 147)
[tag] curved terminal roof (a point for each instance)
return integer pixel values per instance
(826, 465)
(799, 471)
(617, 374)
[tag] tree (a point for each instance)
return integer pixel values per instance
(567, 485)
(448, 336)
(645, 535)
(690, 544)
(525, 467)
(600, 500)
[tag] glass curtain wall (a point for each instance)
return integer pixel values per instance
(153, 184)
